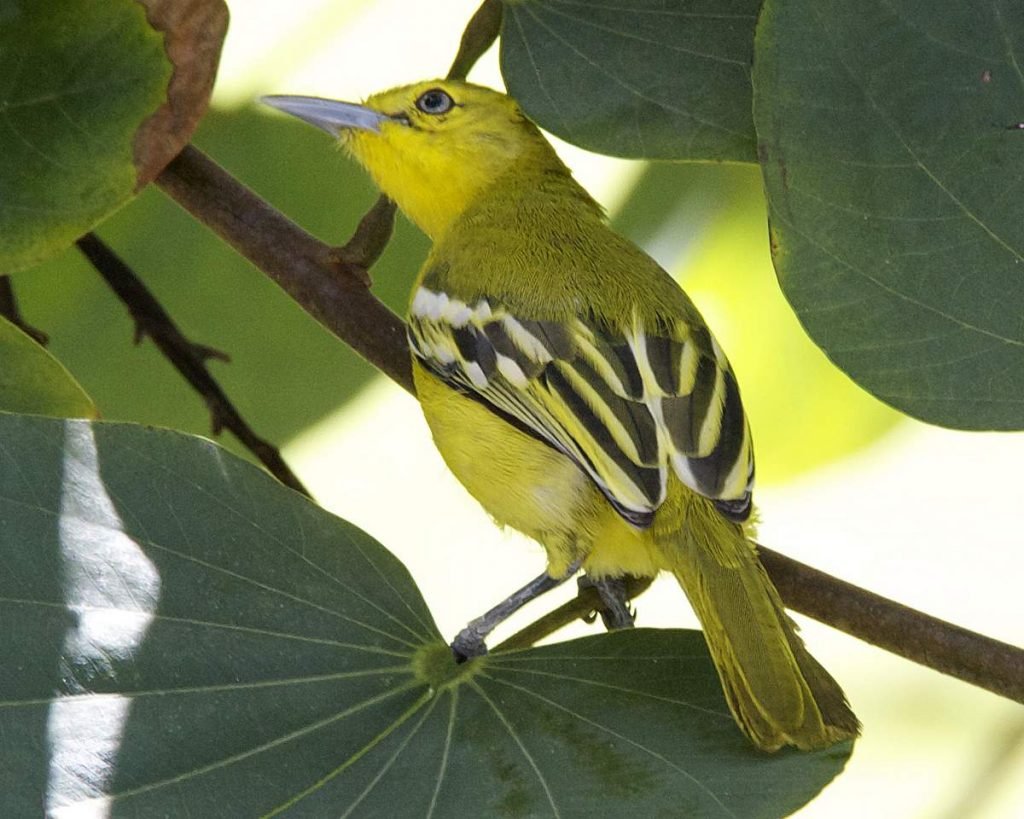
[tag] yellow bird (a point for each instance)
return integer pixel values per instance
(575, 391)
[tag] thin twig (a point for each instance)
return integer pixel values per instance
(189, 359)
(479, 35)
(369, 240)
(9, 310)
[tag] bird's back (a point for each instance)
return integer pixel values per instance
(538, 243)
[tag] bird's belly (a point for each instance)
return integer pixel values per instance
(526, 484)
(520, 481)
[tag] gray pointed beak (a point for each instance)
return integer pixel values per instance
(329, 115)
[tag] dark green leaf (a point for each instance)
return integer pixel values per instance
(33, 381)
(182, 634)
(636, 78)
(706, 223)
(892, 158)
(623, 724)
(78, 80)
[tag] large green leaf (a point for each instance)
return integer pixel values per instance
(892, 160)
(33, 381)
(79, 79)
(89, 109)
(189, 638)
(636, 78)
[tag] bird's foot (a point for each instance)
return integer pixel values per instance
(615, 611)
(468, 643)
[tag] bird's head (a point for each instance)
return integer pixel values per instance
(433, 146)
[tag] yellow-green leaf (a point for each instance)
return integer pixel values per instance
(33, 381)
(95, 98)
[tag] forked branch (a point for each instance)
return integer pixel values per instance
(187, 357)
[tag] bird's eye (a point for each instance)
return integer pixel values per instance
(435, 101)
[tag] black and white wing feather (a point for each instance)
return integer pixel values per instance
(625, 407)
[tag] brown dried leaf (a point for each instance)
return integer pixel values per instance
(193, 34)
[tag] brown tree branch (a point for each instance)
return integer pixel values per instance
(927, 640)
(303, 266)
(188, 358)
(911, 634)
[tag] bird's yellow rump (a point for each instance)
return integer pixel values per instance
(575, 390)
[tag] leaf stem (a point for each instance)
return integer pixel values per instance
(478, 36)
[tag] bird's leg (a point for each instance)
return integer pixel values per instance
(470, 643)
(615, 613)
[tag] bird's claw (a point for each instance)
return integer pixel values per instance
(615, 610)
(468, 644)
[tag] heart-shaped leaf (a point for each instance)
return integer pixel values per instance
(892, 149)
(182, 634)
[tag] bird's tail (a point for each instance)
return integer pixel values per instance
(778, 693)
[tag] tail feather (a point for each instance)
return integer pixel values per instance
(778, 693)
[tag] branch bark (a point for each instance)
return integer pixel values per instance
(927, 640)
(336, 295)
(307, 269)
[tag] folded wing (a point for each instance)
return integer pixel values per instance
(626, 407)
